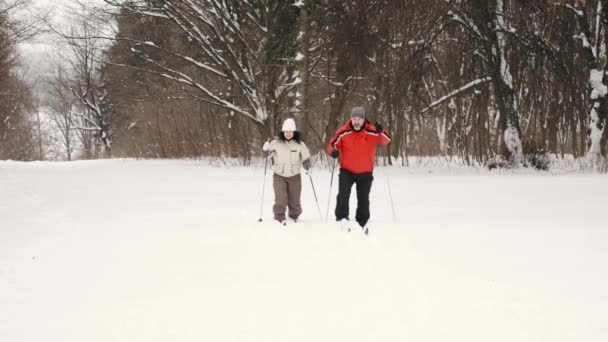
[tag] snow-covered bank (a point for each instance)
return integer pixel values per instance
(123, 250)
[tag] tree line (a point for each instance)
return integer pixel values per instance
(17, 131)
(488, 81)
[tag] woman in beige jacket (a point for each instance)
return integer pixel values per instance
(289, 156)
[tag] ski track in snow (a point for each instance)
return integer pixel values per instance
(124, 250)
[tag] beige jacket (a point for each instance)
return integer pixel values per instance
(288, 157)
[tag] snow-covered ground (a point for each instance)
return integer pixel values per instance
(126, 250)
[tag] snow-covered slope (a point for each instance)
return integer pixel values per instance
(148, 251)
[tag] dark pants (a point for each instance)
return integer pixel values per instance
(364, 185)
(287, 191)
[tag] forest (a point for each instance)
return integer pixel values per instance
(500, 83)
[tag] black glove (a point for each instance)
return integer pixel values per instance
(334, 154)
(379, 127)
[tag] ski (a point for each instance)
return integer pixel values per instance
(365, 230)
(347, 226)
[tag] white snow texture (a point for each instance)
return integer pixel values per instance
(146, 251)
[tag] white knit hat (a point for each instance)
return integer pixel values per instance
(289, 125)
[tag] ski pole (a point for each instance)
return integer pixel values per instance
(316, 199)
(390, 196)
(331, 182)
(263, 187)
(388, 185)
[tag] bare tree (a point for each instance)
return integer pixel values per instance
(301, 104)
(84, 80)
(17, 30)
(592, 19)
(16, 130)
(243, 48)
(63, 105)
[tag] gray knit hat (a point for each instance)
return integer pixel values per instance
(357, 112)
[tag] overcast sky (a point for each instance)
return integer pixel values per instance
(39, 54)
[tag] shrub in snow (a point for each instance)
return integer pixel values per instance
(539, 160)
(499, 162)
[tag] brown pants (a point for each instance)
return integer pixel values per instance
(287, 191)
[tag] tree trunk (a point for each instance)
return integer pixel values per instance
(503, 89)
(303, 60)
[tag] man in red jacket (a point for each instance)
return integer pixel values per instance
(355, 143)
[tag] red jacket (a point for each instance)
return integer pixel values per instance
(357, 148)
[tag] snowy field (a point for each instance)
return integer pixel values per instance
(159, 251)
